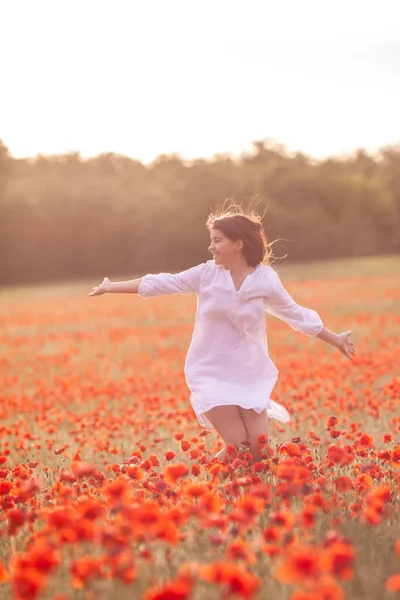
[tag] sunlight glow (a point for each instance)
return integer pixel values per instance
(198, 78)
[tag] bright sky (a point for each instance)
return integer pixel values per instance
(145, 77)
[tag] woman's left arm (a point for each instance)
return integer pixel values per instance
(280, 304)
(339, 340)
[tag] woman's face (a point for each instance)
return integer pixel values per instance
(225, 250)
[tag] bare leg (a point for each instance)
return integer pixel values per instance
(229, 424)
(256, 425)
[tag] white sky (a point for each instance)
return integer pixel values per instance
(145, 77)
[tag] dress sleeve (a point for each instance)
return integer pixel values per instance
(162, 284)
(280, 304)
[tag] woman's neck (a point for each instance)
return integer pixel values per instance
(240, 268)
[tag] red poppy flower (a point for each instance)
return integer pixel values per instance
(332, 422)
(393, 583)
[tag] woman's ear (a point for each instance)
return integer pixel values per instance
(239, 244)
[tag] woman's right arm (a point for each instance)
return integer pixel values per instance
(116, 287)
(160, 284)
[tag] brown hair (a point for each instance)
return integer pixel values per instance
(239, 223)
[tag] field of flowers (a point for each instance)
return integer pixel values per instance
(108, 487)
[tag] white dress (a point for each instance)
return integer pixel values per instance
(228, 361)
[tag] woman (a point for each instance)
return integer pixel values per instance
(228, 369)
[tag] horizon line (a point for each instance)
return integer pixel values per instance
(269, 143)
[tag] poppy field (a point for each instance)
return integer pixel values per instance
(108, 485)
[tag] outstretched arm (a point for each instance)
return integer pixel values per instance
(116, 287)
(339, 340)
(280, 304)
(160, 284)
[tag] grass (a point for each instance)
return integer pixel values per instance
(99, 381)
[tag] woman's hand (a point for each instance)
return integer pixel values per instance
(345, 345)
(103, 288)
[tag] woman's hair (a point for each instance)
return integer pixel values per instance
(239, 223)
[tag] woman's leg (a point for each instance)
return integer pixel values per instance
(256, 425)
(228, 422)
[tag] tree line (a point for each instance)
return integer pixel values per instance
(64, 217)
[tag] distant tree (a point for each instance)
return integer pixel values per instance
(64, 217)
